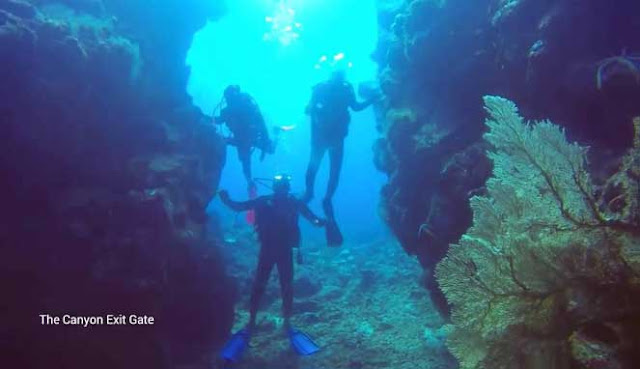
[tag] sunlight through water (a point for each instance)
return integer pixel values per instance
(276, 50)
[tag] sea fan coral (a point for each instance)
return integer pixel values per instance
(546, 260)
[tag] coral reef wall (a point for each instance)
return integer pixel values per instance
(561, 59)
(106, 172)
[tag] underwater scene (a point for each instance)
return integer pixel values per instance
(320, 184)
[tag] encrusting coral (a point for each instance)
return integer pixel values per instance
(548, 275)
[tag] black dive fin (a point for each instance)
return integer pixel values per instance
(334, 236)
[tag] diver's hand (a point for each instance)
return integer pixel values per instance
(320, 222)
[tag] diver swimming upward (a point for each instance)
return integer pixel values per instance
(330, 117)
(245, 121)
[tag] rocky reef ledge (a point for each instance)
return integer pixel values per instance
(106, 171)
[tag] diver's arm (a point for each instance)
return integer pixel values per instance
(354, 104)
(312, 102)
(222, 118)
(310, 216)
(359, 106)
(237, 205)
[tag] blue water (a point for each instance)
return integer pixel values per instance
(279, 70)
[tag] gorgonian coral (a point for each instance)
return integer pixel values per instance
(547, 269)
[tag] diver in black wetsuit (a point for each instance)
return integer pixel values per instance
(330, 117)
(245, 121)
(278, 232)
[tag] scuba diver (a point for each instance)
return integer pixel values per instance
(330, 117)
(242, 115)
(278, 232)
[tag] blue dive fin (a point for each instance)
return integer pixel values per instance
(236, 346)
(302, 344)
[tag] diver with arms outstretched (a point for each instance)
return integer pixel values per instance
(279, 234)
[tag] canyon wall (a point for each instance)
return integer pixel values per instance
(107, 170)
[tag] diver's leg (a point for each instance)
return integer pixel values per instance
(265, 264)
(244, 155)
(317, 152)
(336, 154)
(285, 274)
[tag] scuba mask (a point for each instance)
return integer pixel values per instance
(281, 184)
(231, 92)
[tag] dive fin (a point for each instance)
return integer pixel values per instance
(236, 346)
(302, 344)
(333, 234)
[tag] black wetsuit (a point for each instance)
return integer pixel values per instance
(278, 232)
(330, 117)
(245, 121)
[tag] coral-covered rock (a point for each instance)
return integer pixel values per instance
(561, 59)
(306, 287)
(19, 8)
(593, 353)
